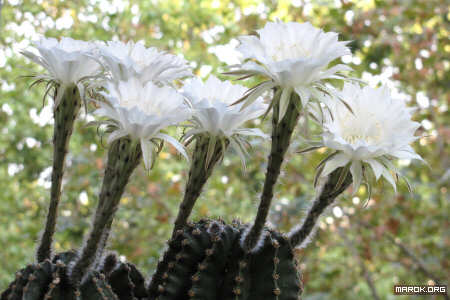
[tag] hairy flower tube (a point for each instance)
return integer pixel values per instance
(136, 112)
(378, 130)
(215, 126)
(126, 60)
(292, 56)
(68, 63)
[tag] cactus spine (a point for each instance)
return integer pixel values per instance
(65, 114)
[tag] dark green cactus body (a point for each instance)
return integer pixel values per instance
(206, 262)
(48, 280)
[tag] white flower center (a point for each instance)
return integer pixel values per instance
(128, 103)
(144, 106)
(356, 131)
(293, 51)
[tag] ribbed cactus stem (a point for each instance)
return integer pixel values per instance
(281, 137)
(64, 114)
(48, 280)
(123, 157)
(326, 197)
(205, 261)
(198, 175)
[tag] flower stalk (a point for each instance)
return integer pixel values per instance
(64, 115)
(332, 188)
(124, 156)
(281, 137)
(208, 151)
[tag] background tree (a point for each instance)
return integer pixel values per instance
(401, 43)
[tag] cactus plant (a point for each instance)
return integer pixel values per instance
(208, 259)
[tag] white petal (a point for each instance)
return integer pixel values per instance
(147, 153)
(356, 170)
(252, 132)
(335, 69)
(236, 147)
(180, 148)
(284, 102)
(337, 161)
(256, 93)
(304, 95)
(116, 134)
(389, 165)
(210, 151)
(404, 154)
(59, 94)
(388, 176)
(191, 132)
(376, 166)
(253, 68)
(34, 58)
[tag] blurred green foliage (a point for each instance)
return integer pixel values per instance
(402, 43)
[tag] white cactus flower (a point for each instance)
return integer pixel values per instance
(379, 130)
(214, 115)
(140, 111)
(292, 56)
(146, 64)
(67, 61)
